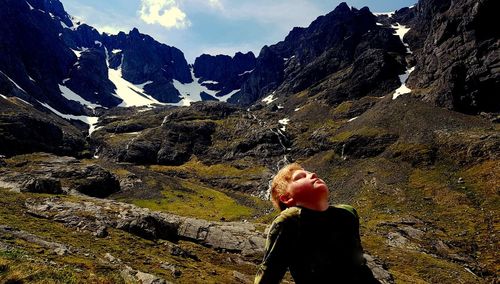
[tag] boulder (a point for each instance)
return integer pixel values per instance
(457, 54)
(41, 185)
(95, 181)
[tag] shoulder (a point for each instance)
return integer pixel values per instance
(285, 221)
(288, 215)
(346, 208)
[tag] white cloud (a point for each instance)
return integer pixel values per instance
(164, 12)
(215, 4)
(111, 29)
(226, 48)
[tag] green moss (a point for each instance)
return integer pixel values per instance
(343, 107)
(364, 131)
(303, 94)
(199, 169)
(197, 201)
(120, 138)
(30, 263)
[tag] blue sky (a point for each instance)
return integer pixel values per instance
(212, 26)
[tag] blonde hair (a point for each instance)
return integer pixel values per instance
(280, 184)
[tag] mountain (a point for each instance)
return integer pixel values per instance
(397, 112)
(456, 54)
(337, 46)
(223, 73)
(70, 66)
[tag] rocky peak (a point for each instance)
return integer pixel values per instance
(223, 73)
(54, 7)
(465, 77)
(310, 55)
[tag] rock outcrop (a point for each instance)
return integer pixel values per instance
(46, 173)
(24, 129)
(237, 237)
(223, 73)
(339, 43)
(456, 54)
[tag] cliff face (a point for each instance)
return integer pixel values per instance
(420, 168)
(456, 54)
(52, 58)
(223, 73)
(331, 46)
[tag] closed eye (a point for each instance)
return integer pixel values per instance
(299, 175)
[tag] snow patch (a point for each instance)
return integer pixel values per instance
(12, 81)
(190, 92)
(98, 43)
(388, 14)
(131, 95)
(400, 31)
(64, 26)
(209, 82)
(128, 92)
(115, 51)
(70, 95)
(226, 97)
(352, 119)
(141, 86)
(283, 122)
(79, 52)
(246, 72)
(90, 120)
(29, 5)
(403, 89)
(269, 99)
(297, 109)
(379, 24)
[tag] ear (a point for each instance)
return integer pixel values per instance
(287, 200)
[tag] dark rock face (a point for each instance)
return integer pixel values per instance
(182, 133)
(184, 139)
(458, 54)
(42, 185)
(172, 144)
(37, 52)
(30, 48)
(221, 68)
(339, 40)
(23, 129)
(46, 173)
(378, 82)
(267, 75)
(88, 78)
(142, 59)
(91, 180)
(228, 72)
(150, 227)
(365, 146)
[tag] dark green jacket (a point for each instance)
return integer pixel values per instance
(317, 247)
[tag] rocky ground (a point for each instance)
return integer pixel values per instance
(179, 194)
(427, 195)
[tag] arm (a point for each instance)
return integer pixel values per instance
(365, 273)
(275, 262)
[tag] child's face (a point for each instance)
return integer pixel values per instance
(306, 190)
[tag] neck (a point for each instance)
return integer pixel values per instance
(322, 206)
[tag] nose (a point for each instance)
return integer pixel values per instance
(313, 175)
